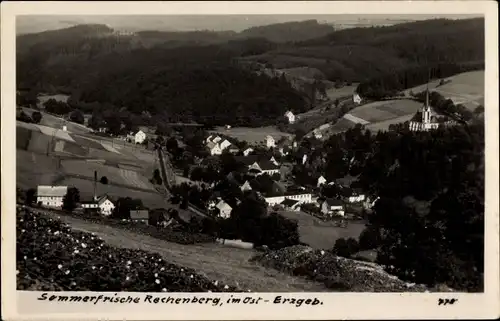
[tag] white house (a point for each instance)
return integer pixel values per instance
(356, 98)
(290, 116)
(266, 167)
(139, 137)
(225, 144)
(247, 151)
(246, 187)
(214, 148)
(321, 181)
(355, 198)
(332, 206)
(270, 142)
(274, 161)
(224, 209)
(105, 205)
(216, 139)
(51, 196)
(301, 198)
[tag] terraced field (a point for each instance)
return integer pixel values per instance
(71, 159)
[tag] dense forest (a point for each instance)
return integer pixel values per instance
(361, 54)
(428, 225)
(197, 76)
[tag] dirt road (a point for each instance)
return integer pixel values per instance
(217, 262)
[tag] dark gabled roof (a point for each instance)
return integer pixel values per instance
(295, 190)
(289, 202)
(334, 202)
(247, 160)
(266, 164)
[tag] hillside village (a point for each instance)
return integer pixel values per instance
(276, 165)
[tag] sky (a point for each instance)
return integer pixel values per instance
(30, 24)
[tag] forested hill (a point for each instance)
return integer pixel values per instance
(289, 31)
(86, 61)
(361, 54)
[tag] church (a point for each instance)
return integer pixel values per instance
(424, 120)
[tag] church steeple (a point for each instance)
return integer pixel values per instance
(426, 111)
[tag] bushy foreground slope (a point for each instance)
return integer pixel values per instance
(51, 256)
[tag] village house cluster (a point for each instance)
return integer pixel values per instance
(270, 161)
(53, 197)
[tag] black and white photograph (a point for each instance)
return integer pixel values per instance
(250, 153)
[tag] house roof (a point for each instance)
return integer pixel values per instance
(212, 145)
(289, 202)
(246, 185)
(103, 199)
(139, 214)
(266, 165)
(334, 202)
(52, 191)
(247, 160)
(222, 204)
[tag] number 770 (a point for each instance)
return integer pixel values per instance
(447, 301)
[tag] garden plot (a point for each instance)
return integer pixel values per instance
(355, 119)
(119, 176)
(55, 132)
(109, 147)
(87, 142)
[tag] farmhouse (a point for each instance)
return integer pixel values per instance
(270, 142)
(424, 120)
(105, 205)
(290, 116)
(102, 204)
(332, 206)
(300, 197)
(225, 144)
(214, 148)
(139, 137)
(268, 167)
(51, 196)
(321, 181)
(224, 209)
(356, 98)
(139, 215)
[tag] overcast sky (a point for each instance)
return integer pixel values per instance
(28, 24)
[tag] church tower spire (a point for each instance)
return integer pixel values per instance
(426, 111)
